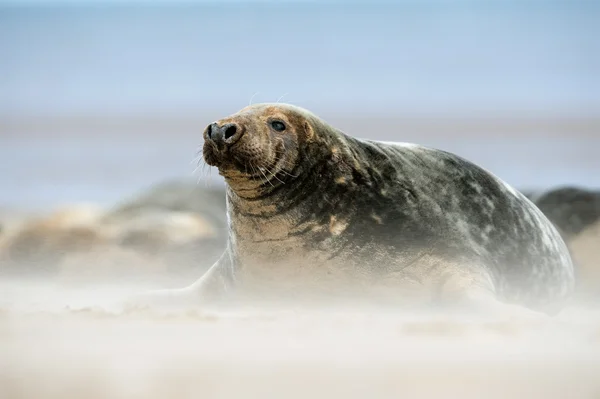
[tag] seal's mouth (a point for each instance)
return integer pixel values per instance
(265, 164)
(224, 158)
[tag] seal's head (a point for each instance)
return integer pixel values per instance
(261, 144)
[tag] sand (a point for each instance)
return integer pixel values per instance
(58, 342)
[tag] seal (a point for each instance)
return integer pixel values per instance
(316, 213)
(571, 209)
(575, 212)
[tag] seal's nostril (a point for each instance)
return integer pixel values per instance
(230, 131)
(209, 131)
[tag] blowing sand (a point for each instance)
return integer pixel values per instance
(66, 343)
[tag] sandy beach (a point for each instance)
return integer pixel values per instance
(57, 344)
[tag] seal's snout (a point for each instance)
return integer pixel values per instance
(222, 135)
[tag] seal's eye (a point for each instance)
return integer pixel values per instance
(278, 126)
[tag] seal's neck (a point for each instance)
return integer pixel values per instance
(256, 188)
(258, 219)
(258, 201)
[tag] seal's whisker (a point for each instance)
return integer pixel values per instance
(251, 98)
(205, 166)
(200, 163)
(266, 178)
(209, 180)
(206, 171)
(280, 98)
(287, 173)
(286, 163)
(261, 176)
(274, 174)
(197, 159)
(254, 171)
(196, 168)
(202, 173)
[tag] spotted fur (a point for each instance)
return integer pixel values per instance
(314, 207)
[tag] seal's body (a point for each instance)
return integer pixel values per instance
(571, 209)
(313, 210)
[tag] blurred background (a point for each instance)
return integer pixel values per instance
(101, 98)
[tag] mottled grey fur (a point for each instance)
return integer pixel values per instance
(571, 209)
(367, 211)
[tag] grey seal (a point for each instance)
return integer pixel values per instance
(571, 209)
(316, 213)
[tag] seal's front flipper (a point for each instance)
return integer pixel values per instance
(206, 291)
